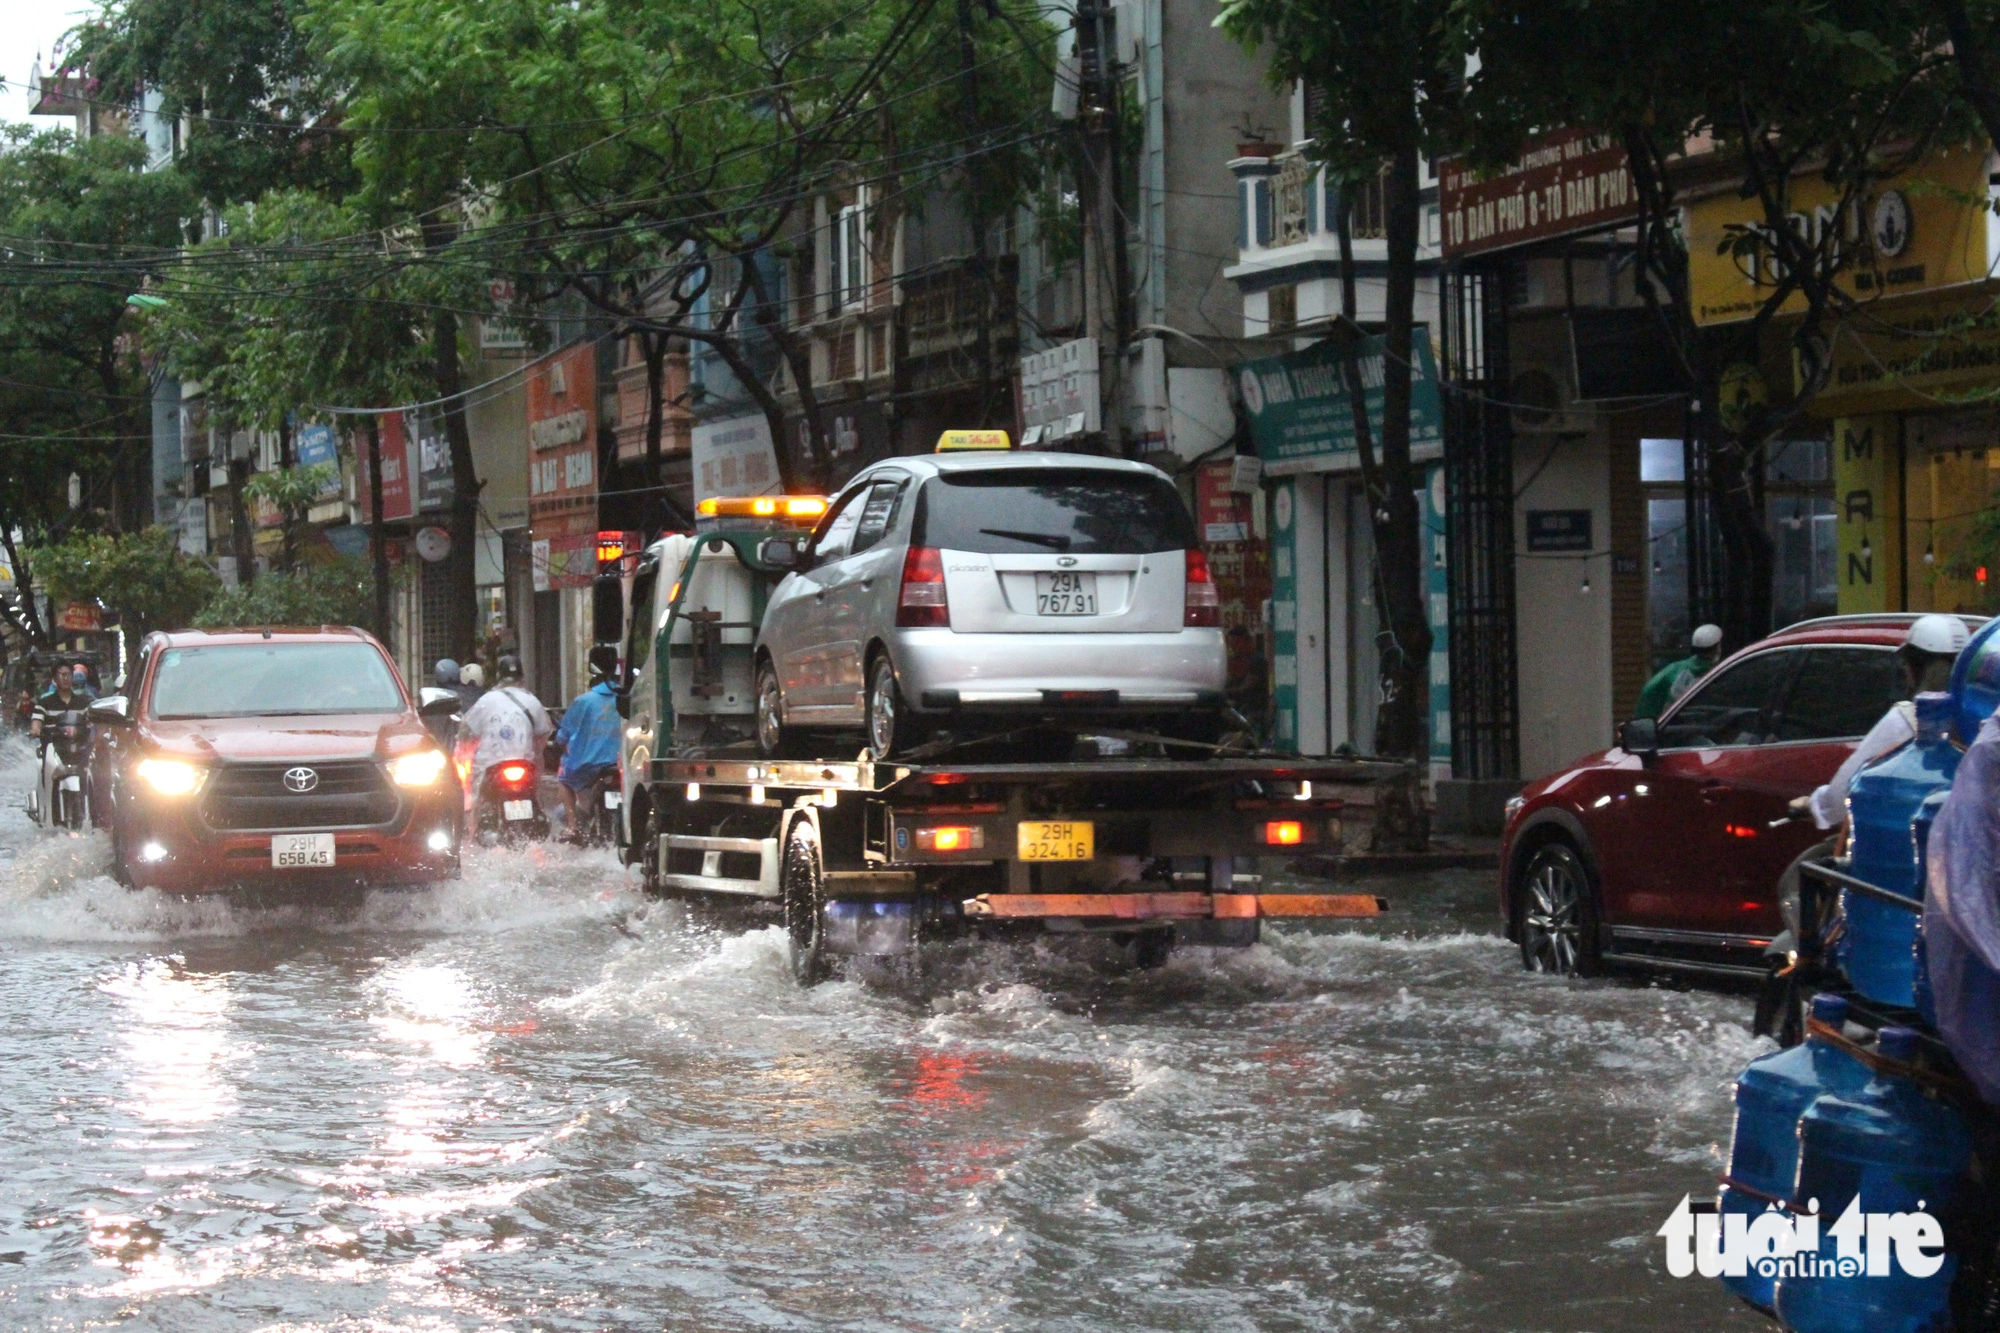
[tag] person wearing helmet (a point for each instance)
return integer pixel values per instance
(589, 736)
(1676, 678)
(471, 682)
(1929, 649)
(508, 722)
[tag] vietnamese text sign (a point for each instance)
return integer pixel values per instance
(1551, 530)
(734, 457)
(562, 443)
(398, 501)
(1919, 232)
(1302, 417)
(1563, 182)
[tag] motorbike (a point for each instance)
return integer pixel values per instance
(508, 804)
(597, 809)
(61, 798)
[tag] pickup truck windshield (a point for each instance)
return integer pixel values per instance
(275, 679)
(1072, 511)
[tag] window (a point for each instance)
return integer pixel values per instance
(850, 254)
(1840, 693)
(878, 514)
(837, 530)
(1734, 706)
(639, 635)
(1078, 511)
(1281, 308)
(274, 680)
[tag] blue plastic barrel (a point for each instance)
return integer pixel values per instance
(1771, 1095)
(1899, 1151)
(1975, 681)
(1878, 953)
(1920, 832)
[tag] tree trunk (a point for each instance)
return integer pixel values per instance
(461, 573)
(239, 523)
(1402, 726)
(653, 347)
(292, 517)
(1975, 69)
(378, 536)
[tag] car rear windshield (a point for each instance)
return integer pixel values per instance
(1074, 510)
(274, 679)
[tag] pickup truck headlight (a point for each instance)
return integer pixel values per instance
(172, 777)
(420, 768)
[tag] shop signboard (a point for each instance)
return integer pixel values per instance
(315, 445)
(1564, 182)
(562, 468)
(426, 426)
(1240, 562)
(1302, 416)
(1924, 230)
(398, 497)
(734, 457)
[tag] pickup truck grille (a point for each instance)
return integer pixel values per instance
(254, 796)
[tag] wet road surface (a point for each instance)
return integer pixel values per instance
(531, 1100)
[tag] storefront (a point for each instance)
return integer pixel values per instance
(1327, 631)
(1907, 444)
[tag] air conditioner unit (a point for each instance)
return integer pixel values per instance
(1541, 403)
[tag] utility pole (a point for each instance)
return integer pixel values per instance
(1106, 317)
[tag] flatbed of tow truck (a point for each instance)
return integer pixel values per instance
(865, 857)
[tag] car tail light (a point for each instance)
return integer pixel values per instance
(922, 604)
(514, 774)
(951, 838)
(1204, 605)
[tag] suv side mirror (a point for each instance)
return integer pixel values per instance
(435, 702)
(113, 710)
(1640, 736)
(779, 552)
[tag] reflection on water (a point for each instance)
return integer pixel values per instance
(531, 1101)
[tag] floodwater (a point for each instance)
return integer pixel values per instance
(531, 1100)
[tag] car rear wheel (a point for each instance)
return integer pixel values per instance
(891, 728)
(1558, 913)
(775, 740)
(802, 881)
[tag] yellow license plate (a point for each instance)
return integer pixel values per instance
(1057, 840)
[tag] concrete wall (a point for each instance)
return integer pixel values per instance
(1563, 631)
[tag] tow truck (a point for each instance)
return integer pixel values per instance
(1121, 834)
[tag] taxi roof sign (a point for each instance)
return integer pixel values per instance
(973, 439)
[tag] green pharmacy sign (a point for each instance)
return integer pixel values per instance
(1302, 416)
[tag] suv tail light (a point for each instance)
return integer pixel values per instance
(921, 604)
(1204, 604)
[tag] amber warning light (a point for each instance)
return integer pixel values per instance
(791, 508)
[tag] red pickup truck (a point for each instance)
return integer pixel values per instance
(281, 756)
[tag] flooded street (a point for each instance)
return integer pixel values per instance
(531, 1100)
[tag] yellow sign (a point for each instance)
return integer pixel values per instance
(1867, 495)
(1926, 229)
(1916, 357)
(1056, 840)
(973, 439)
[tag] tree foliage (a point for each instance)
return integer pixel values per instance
(141, 576)
(339, 592)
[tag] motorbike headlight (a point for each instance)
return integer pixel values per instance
(419, 768)
(172, 777)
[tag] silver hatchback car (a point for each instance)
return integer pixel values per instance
(983, 591)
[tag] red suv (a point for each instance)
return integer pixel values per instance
(1670, 857)
(270, 756)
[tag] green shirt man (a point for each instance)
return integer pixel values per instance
(1674, 679)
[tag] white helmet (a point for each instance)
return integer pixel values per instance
(1941, 635)
(1706, 636)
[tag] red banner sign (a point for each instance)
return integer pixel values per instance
(562, 464)
(398, 497)
(1564, 182)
